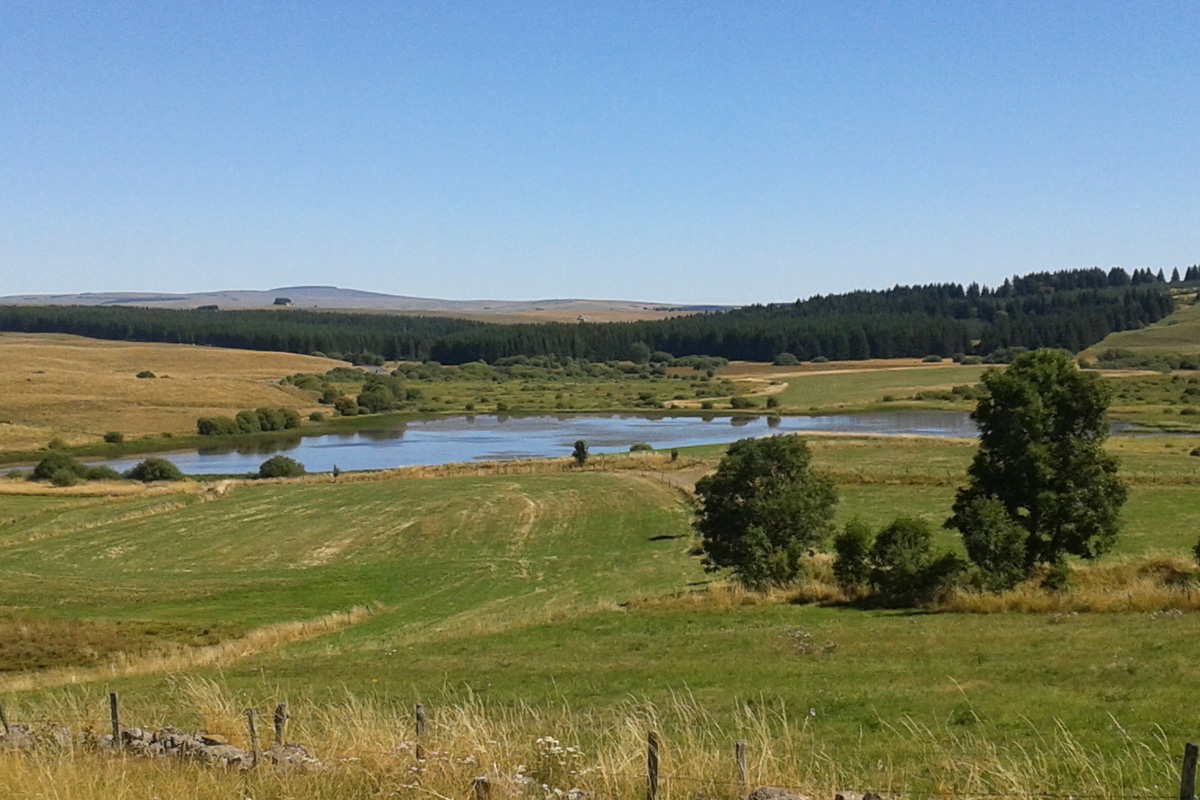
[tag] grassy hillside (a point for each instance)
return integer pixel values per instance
(570, 605)
(77, 389)
(1178, 333)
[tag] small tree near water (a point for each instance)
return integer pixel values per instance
(580, 453)
(763, 510)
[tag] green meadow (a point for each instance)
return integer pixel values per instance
(577, 590)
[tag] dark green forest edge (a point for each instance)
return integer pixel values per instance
(1071, 309)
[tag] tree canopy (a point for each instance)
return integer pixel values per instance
(1041, 469)
(763, 510)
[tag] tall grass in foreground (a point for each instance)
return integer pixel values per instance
(367, 750)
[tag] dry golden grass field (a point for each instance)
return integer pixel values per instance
(76, 389)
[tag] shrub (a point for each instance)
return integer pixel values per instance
(280, 467)
(972, 360)
(852, 552)
(291, 418)
(932, 359)
(674, 454)
(904, 570)
(56, 444)
(772, 402)
(580, 453)
(785, 360)
(145, 374)
(155, 469)
(706, 404)
(54, 463)
(270, 419)
(741, 402)
(114, 437)
(16, 475)
(640, 447)
(1057, 577)
(820, 360)
(316, 416)
(63, 477)
(100, 473)
(248, 422)
(346, 406)
(377, 399)
(216, 426)
(995, 542)
(501, 406)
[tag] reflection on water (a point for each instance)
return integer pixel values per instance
(483, 437)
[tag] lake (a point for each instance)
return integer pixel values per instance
(483, 437)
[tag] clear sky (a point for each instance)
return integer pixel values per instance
(668, 151)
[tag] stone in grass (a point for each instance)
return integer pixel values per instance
(775, 793)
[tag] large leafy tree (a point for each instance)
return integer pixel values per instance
(763, 510)
(1041, 484)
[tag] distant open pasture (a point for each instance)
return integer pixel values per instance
(77, 389)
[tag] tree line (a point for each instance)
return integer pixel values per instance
(1072, 310)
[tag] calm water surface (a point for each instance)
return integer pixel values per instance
(502, 438)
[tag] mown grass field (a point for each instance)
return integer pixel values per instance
(578, 591)
(77, 389)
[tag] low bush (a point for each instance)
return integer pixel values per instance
(640, 447)
(785, 360)
(932, 359)
(772, 402)
(145, 374)
(155, 469)
(216, 426)
(63, 477)
(54, 463)
(101, 473)
(852, 552)
(741, 402)
(114, 437)
(280, 467)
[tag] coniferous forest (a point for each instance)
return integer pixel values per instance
(1070, 309)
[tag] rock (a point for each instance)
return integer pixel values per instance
(212, 739)
(225, 754)
(290, 755)
(856, 796)
(775, 793)
(19, 737)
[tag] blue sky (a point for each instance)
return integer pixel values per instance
(675, 151)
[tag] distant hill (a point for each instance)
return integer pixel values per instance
(335, 298)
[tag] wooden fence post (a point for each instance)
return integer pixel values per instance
(281, 718)
(739, 752)
(1187, 780)
(250, 723)
(114, 712)
(420, 715)
(483, 789)
(4, 721)
(652, 766)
